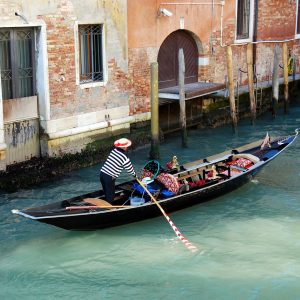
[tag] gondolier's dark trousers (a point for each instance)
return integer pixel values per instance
(108, 185)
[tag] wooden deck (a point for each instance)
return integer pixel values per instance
(192, 90)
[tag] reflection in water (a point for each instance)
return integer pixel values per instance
(249, 238)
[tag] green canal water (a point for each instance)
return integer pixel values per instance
(249, 239)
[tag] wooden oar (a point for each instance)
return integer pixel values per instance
(97, 206)
(189, 245)
(97, 203)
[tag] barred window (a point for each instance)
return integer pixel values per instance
(17, 63)
(243, 19)
(90, 53)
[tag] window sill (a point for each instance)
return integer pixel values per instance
(92, 84)
(243, 41)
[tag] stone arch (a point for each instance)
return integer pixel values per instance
(168, 58)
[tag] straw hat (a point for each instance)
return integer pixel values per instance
(122, 143)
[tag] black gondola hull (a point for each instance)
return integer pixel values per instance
(100, 220)
(92, 218)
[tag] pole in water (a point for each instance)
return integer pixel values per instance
(286, 77)
(188, 244)
(250, 81)
(231, 88)
(181, 76)
(275, 81)
(154, 152)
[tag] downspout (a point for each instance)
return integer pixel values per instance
(255, 21)
(212, 26)
(222, 16)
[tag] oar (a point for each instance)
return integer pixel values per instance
(189, 245)
(97, 206)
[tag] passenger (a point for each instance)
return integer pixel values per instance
(116, 161)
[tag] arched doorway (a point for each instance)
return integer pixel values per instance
(168, 59)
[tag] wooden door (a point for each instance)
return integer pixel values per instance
(168, 59)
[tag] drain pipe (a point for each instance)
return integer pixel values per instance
(222, 16)
(255, 36)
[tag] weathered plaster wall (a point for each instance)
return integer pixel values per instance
(68, 108)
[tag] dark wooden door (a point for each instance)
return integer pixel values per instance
(168, 59)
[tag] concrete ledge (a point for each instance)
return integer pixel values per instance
(81, 122)
(100, 125)
(20, 109)
(76, 140)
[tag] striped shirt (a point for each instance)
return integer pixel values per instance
(116, 161)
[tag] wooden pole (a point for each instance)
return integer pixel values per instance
(250, 81)
(286, 77)
(231, 87)
(275, 81)
(181, 77)
(154, 152)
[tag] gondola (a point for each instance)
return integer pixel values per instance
(174, 188)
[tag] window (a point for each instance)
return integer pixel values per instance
(298, 18)
(16, 62)
(90, 53)
(244, 19)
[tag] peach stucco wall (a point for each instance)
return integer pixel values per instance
(147, 29)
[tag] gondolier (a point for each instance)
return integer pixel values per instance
(117, 161)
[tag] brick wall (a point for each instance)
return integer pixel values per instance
(140, 77)
(61, 59)
(67, 98)
(276, 21)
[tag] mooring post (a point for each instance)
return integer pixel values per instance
(181, 77)
(250, 81)
(275, 81)
(286, 77)
(231, 87)
(154, 152)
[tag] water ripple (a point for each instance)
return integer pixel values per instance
(248, 240)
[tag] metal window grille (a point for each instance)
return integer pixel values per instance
(243, 19)
(17, 63)
(91, 53)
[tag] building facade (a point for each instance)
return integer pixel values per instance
(76, 71)
(204, 29)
